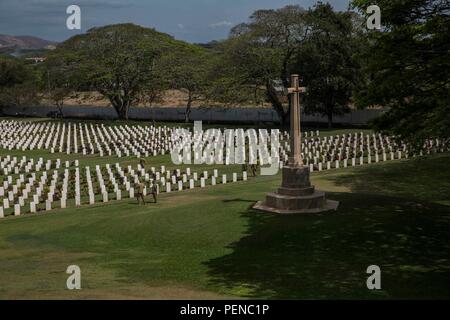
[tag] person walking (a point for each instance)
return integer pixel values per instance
(154, 188)
(140, 192)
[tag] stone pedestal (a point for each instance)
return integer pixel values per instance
(296, 195)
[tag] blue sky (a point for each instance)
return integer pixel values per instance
(189, 20)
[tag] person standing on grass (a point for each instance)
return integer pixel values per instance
(140, 192)
(142, 163)
(154, 189)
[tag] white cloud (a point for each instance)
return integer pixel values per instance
(221, 24)
(180, 26)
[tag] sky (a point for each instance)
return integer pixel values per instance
(196, 21)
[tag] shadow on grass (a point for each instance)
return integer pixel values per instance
(423, 178)
(239, 200)
(391, 219)
(326, 255)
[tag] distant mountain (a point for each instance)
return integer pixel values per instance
(19, 45)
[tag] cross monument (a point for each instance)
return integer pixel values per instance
(296, 194)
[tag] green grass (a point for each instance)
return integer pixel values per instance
(209, 243)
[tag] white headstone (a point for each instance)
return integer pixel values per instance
(91, 198)
(32, 207)
(6, 203)
(17, 209)
(63, 203)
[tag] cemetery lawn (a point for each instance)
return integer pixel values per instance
(209, 243)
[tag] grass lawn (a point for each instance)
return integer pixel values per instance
(209, 243)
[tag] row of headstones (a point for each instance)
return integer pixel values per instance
(50, 130)
(364, 144)
(222, 149)
(125, 140)
(347, 146)
(336, 164)
(356, 146)
(318, 153)
(105, 195)
(179, 184)
(11, 165)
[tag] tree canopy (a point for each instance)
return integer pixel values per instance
(189, 69)
(262, 50)
(120, 61)
(318, 44)
(18, 82)
(327, 61)
(408, 63)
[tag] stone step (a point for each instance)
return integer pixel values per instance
(284, 202)
(316, 194)
(295, 192)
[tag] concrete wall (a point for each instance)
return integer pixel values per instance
(229, 115)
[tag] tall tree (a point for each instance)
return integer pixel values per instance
(326, 61)
(188, 70)
(119, 61)
(262, 50)
(60, 77)
(19, 83)
(408, 61)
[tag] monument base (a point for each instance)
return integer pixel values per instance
(328, 206)
(296, 195)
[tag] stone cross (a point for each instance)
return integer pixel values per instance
(295, 158)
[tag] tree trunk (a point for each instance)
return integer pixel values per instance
(59, 105)
(121, 106)
(330, 120)
(188, 109)
(278, 106)
(123, 112)
(284, 120)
